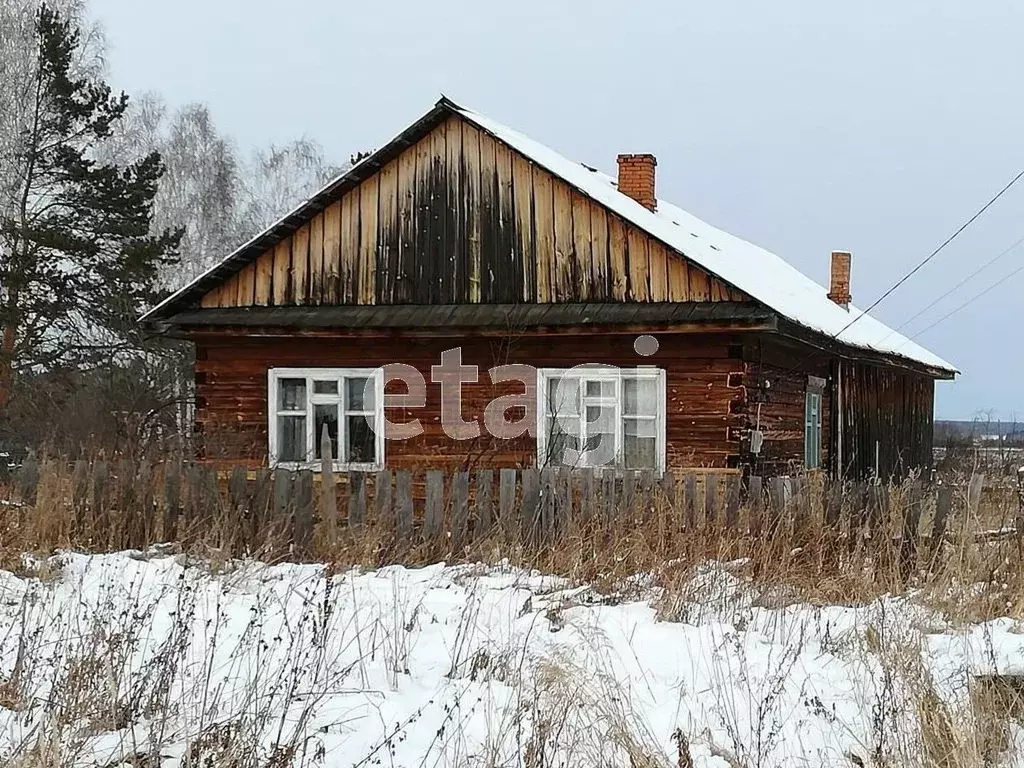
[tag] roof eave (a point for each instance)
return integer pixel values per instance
(848, 351)
(463, 318)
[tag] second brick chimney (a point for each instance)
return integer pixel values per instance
(636, 179)
(839, 278)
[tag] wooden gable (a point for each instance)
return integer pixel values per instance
(460, 218)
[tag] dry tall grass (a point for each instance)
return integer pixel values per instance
(93, 682)
(975, 571)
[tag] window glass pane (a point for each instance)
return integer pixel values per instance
(325, 387)
(599, 450)
(291, 438)
(564, 396)
(812, 431)
(640, 452)
(359, 394)
(561, 439)
(640, 443)
(641, 397)
(325, 416)
(361, 439)
(600, 388)
(291, 394)
(600, 443)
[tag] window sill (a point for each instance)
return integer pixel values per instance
(317, 466)
(600, 470)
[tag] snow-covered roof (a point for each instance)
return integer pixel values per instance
(757, 272)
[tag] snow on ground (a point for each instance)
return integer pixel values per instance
(103, 658)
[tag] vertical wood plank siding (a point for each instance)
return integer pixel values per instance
(457, 218)
(704, 412)
(888, 408)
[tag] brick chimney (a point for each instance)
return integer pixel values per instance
(839, 279)
(636, 179)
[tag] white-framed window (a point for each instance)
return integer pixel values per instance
(348, 402)
(812, 422)
(600, 416)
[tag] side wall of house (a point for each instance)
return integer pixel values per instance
(867, 407)
(887, 417)
(460, 218)
(704, 392)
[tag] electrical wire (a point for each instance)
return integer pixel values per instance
(934, 253)
(963, 282)
(967, 303)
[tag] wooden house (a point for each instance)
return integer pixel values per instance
(650, 338)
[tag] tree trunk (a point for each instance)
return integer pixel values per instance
(7, 363)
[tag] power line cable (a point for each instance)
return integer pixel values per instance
(956, 287)
(967, 303)
(963, 282)
(934, 253)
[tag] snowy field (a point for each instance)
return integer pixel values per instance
(130, 660)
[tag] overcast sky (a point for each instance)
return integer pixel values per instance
(876, 127)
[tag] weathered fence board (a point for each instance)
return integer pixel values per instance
(28, 480)
(755, 503)
(711, 502)
(303, 537)
(911, 524)
(434, 504)
(260, 506)
(531, 505)
(460, 510)
(121, 503)
(328, 488)
(382, 504)
(403, 505)
(507, 500)
(609, 507)
(732, 502)
(356, 499)
(690, 502)
(484, 502)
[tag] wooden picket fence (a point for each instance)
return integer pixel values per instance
(130, 505)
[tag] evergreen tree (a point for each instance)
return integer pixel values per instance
(78, 261)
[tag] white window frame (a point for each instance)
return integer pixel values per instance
(617, 376)
(274, 375)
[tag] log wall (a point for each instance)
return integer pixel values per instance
(776, 382)
(703, 372)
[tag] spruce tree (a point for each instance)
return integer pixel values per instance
(78, 261)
